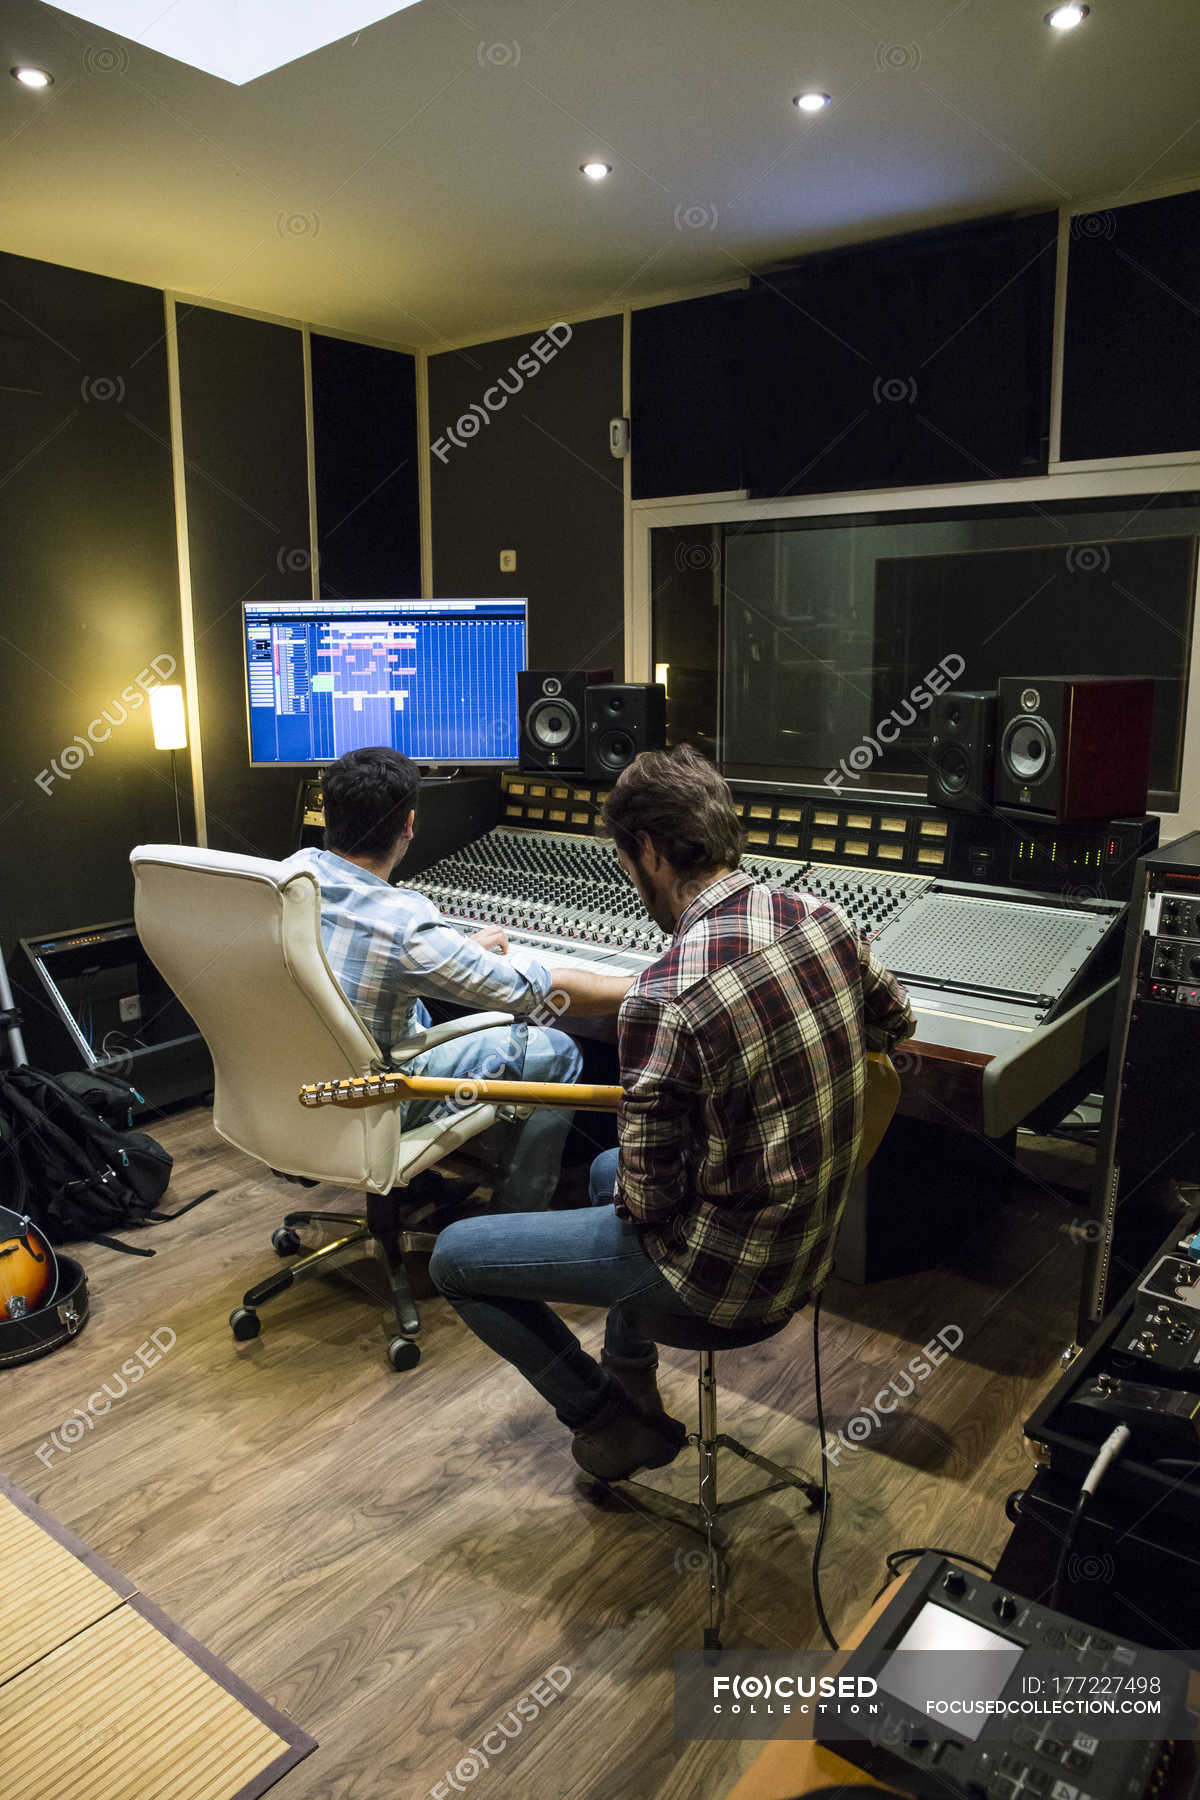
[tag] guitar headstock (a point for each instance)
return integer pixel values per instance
(350, 1089)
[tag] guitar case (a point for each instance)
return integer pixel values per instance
(64, 1318)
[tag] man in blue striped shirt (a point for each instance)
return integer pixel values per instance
(390, 950)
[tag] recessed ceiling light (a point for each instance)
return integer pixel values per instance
(30, 77)
(1066, 18)
(595, 171)
(811, 102)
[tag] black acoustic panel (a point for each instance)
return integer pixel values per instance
(1131, 366)
(90, 595)
(686, 382)
(365, 441)
(537, 478)
(242, 391)
(923, 359)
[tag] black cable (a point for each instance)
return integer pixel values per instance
(825, 1497)
(895, 1557)
(1065, 1549)
(1108, 1452)
(83, 997)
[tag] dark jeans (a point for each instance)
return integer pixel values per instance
(499, 1273)
(530, 1154)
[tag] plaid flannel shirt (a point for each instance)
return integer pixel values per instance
(742, 1056)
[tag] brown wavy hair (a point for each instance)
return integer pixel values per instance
(682, 803)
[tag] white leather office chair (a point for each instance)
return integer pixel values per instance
(238, 939)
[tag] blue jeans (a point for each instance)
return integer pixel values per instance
(528, 1154)
(498, 1275)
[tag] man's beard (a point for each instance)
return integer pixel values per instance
(653, 899)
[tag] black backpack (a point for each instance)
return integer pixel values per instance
(67, 1165)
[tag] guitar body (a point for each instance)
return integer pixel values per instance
(28, 1268)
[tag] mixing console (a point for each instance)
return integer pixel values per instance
(1013, 991)
(552, 887)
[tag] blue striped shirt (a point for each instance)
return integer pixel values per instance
(390, 947)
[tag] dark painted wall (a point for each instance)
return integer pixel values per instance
(365, 452)
(89, 592)
(536, 478)
(242, 397)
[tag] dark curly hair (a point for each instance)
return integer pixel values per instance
(368, 796)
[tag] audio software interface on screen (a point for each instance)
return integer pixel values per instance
(436, 679)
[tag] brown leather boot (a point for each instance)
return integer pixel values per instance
(620, 1440)
(638, 1375)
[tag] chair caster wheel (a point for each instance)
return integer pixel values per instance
(712, 1647)
(246, 1323)
(285, 1241)
(402, 1353)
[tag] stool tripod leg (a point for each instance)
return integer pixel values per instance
(707, 1446)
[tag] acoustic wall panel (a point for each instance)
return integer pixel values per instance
(244, 442)
(1131, 359)
(687, 379)
(365, 438)
(89, 594)
(520, 460)
(924, 359)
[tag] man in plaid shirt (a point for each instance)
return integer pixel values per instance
(742, 1062)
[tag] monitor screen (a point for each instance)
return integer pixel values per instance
(968, 1667)
(436, 679)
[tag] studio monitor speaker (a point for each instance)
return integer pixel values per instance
(623, 719)
(1073, 746)
(551, 708)
(963, 725)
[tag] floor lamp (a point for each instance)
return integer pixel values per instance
(169, 725)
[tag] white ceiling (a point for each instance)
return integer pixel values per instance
(418, 182)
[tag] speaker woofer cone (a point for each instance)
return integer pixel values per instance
(615, 750)
(552, 724)
(1028, 750)
(953, 767)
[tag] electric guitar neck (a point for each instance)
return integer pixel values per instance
(391, 1085)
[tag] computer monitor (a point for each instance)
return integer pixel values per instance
(436, 679)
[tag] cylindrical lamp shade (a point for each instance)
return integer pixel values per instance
(167, 718)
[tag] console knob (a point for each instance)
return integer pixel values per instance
(1005, 1607)
(954, 1582)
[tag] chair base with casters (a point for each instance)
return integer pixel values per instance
(706, 1512)
(378, 1225)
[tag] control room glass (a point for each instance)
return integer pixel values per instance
(784, 642)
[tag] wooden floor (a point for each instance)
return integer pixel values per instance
(396, 1560)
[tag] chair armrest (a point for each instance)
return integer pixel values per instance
(453, 1028)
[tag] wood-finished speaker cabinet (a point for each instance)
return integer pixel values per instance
(1073, 746)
